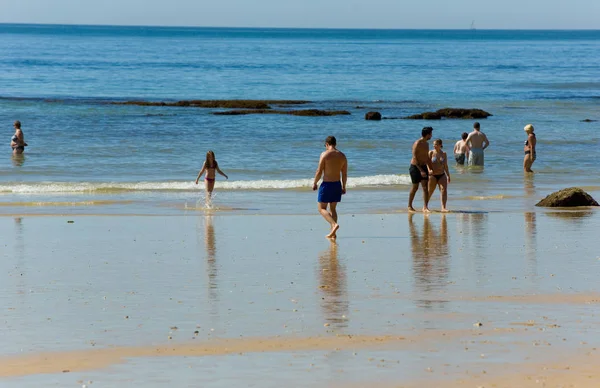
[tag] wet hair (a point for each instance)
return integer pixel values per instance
(438, 141)
(331, 141)
(464, 135)
(476, 125)
(18, 124)
(426, 131)
(208, 164)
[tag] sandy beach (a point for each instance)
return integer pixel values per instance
(456, 300)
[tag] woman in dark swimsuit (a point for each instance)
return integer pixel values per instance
(17, 142)
(439, 174)
(529, 148)
(211, 167)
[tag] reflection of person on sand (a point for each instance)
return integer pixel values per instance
(530, 143)
(420, 164)
(477, 142)
(439, 174)
(332, 282)
(17, 142)
(211, 251)
(211, 167)
(332, 164)
(430, 254)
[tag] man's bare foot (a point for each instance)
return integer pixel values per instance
(444, 210)
(411, 209)
(426, 209)
(334, 229)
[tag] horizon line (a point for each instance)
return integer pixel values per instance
(295, 28)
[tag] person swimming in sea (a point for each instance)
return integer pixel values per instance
(438, 173)
(530, 143)
(17, 142)
(332, 165)
(211, 167)
(461, 150)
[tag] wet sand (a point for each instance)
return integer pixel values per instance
(456, 300)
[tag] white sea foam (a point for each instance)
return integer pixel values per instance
(111, 187)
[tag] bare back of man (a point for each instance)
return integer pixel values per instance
(477, 142)
(333, 168)
(477, 139)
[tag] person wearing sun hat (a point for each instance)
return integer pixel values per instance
(530, 148)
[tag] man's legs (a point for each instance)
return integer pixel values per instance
(329, 217)
(425, 196)
(411, 196)
(333, 210)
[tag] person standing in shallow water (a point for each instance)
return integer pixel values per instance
(332, 164)
(477, 142)
(461, 150)
(17, 142)
(530, 144)
(439, 174)
(211, 167)
(420, 164)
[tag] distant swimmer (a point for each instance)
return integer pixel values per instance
(420, 164)
(439, 174)
(17, 142)
(332, 164)
(211, 167)
(477, 142)
(530, 143)
(461, 150)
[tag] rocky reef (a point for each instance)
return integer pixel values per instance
(451, 113)
(231, 104)
(301, 112)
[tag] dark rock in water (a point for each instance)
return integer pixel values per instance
(570, 197)
(233, 104)
(373, 116)
(451, 113)
(303, 112)
(588, 121)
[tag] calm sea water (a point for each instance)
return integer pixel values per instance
(85, 155)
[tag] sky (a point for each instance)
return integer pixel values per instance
(393, 14)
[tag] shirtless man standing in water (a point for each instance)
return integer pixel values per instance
(420, 164)
(332, 164)
(477, 142)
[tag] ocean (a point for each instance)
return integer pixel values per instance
(87, 156)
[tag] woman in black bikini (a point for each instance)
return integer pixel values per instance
(529, 148)
(211, 167)
(17, 142)
(439, 174)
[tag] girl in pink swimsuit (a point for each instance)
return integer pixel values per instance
(211, 167)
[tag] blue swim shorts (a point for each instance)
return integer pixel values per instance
(330, 192)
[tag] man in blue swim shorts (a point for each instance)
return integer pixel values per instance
(332, 164)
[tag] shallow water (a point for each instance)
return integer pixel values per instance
(58, 80)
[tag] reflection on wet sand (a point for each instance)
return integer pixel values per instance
(430, 257)
(531, 244)
(211, 260)
(576, 216)
(333, 287)
(20, 255)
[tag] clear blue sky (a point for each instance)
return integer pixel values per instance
(488, 14)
